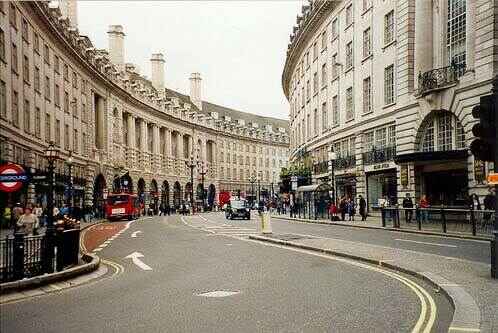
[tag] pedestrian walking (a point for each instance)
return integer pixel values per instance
(423, 204)
(17, 211)
(28, 222)
(489, 204)
(333, 211)
(342, 208)
(38, 211)
(363, 208)
(350, 209)
(161, 209)
(408, 206)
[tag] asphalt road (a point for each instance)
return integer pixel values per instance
(275, 289)
(472, 250)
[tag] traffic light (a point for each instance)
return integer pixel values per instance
(484, 146)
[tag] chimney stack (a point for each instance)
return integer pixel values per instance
(196, 90)
(157, 64)
(116, 45)
(69, 9)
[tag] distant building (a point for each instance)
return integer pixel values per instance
(125, 132)
(390, 86)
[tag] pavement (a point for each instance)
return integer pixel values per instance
(10, 232)
(201, 274)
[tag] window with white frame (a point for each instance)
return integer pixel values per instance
(333, 69)
(335, 110)
(367, 95)
(455, 34)
(367, 42)
(391, 136)
(389, 27)
(308, 126)
(324, 75)
(335, 28)
(349, 104)
(349, 15)
(315, 83)
(349, 55)
(308, 90)
(315, 51)
(315, 122)
(442, 132)
(380, 137)
(389, 85)
(324, 39)
(324, 117)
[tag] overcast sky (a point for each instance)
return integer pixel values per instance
(237, 46)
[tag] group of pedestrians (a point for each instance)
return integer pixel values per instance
(347, 207)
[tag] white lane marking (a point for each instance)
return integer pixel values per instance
(229, 244)
(218, 293)
(426, 243)
(135, 258)
(463, 329)
(135, 233)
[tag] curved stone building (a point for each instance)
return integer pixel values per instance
(389, 86)
(125, 132)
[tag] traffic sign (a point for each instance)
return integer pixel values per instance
(493, 179)
(12, 177)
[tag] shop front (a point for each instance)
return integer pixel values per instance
(345, 185)
(381, 185)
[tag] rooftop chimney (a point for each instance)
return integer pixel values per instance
(116, 45)
(157, 64)
(195, 90)
(69, 9)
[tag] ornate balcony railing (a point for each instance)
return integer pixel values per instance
(379, 155)
(439, 77)
(345, 162)
(321, 167)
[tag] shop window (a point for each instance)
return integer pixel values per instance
(442, 132)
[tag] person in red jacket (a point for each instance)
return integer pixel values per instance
(333, 211)
(423, 203)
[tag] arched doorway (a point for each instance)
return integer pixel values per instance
(126, 183)
(99, 189)
(116, 184)
(211, 196)
(165, 193)
(187, 192)
(177, 195)
(154, 196)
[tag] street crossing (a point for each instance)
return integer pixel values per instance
(220, 228)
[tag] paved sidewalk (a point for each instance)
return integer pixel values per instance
(10, 232)
(469, 284)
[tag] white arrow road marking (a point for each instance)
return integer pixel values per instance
(134, 234)
(218, 293)
(134, 257)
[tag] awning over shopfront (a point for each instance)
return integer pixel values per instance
(431, 156)
(314, 188)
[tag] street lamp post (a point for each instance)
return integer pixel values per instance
(332, 158)
(190, 164)
(202, 172)
(252, 180)
(259, 188)
(69, 163)
(51, 154)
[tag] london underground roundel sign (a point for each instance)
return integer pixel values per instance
(12, 177)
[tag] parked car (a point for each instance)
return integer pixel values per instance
(237, 208)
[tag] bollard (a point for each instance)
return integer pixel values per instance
(265, 223)
(383, 214)
(443, 220)
(18, 255)
(59, 258)
(397, 224)
(417, 216)
(494, 259)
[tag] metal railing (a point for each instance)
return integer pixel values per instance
(24, 256)
(379, 155)
(445, 220)
(345, 162)
(438, 78)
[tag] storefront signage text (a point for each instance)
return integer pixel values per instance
(404, 175)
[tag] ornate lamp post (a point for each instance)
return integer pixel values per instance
(191, 164)
(252, 180)
(202, 172)
(332, 159)
(51, 154)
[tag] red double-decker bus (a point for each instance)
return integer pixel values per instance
(122, 205)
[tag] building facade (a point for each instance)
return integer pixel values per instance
(390, 86)
(124, 132)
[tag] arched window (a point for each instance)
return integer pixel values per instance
(442, 132)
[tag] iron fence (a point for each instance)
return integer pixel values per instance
(25, 256)
(440, 219)
(439, 77)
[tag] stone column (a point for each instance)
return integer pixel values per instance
(167, 143)
(144, 138)
(155, 139)
(423, 37)
(131, 131)
(179, 146)
(470, 35)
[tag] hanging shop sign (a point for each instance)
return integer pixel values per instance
(404, 175)
(12, 177)
(479, 171)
